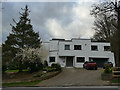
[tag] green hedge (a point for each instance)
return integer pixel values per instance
(57, 66)
(107, 69)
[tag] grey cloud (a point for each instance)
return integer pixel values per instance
(41, 12)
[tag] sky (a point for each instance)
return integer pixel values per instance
(66, 19)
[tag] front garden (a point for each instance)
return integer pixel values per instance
(27, 78)
(111, 74)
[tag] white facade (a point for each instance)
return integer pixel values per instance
(76, 57)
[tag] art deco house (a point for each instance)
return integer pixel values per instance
(74, 52)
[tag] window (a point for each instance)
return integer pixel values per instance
(106, 48)
(67, 47)
(77, 47)
(51, 59)
(94, 48)
(80, 59)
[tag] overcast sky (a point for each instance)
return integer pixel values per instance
(52, 19)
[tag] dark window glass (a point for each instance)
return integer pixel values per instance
(94, 48)
(67, 47)
(51, 59)
(80, 59)
(106, 48)
(77, 47)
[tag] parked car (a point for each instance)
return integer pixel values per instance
(110, 64)
(90, 65)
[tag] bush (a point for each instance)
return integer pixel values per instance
(57, 66)
(45, 63)
(13, 66)
(51, 69)
(107, 69)
(35, 66)
(37, 75)
(44, 69)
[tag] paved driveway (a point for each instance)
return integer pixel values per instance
(75, 77)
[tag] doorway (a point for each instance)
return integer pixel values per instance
(69, 61)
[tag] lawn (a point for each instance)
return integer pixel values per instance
(115, 80)
(21, 84)
(24, 78)
(15, 70)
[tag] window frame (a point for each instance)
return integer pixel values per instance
(78, 45)
(67, 48)
(107, 49)
(50, 59)
(94, 49)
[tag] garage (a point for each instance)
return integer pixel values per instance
(99, 61)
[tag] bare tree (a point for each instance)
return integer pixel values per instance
(107, 25)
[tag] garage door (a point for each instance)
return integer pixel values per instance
(99, 61)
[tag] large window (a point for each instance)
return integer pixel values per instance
(77, 47)
(67, 47)
(51, 59)
(80, 59)
(106, 48)
(94, 48)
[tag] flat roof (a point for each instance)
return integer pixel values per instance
(80, 39)
(66, 40)
(58, 39)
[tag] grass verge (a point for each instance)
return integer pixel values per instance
(21, 83)
(115, 80)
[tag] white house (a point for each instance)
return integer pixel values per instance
(74, 52)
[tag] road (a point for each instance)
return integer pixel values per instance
(65, 88)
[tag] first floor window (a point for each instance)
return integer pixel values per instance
(77, 47)
(106, 48)
(94, 48)
(80, 59)
(67, 47)
(51, 59)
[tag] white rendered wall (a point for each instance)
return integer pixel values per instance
(56, 49)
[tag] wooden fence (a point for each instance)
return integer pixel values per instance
(115, 72)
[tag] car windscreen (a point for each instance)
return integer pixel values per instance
(107, 62)
(91, 62)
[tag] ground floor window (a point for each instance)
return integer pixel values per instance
(80, 59)
(51, 59)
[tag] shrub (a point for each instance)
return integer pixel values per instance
(35, 66)
(45, 63)
(107, 69)
(51, 69)
(44, 69)
(37, 75)
(13, 66)
(57, 66)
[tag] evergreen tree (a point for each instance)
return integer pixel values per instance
(22, 36)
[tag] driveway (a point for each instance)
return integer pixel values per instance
(75, 77)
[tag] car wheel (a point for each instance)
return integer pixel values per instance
(95, 68)
(87, 68)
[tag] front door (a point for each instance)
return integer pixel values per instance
(69, 61)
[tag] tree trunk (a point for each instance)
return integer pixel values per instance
(20, 66)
